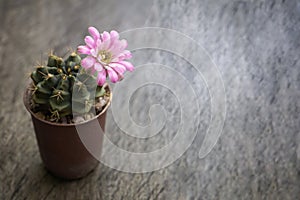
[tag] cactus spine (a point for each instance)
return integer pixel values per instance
(61, 89)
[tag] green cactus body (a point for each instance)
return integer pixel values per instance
(82, 101)
(61, 89)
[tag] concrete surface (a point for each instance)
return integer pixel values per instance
(256, 46)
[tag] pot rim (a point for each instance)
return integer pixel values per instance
(26, 103)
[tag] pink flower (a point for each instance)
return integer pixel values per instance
(106, 55)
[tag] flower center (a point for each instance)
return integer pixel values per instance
(105, 56)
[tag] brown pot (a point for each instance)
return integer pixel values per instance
(61, 147)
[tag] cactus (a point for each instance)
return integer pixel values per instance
(63, 89)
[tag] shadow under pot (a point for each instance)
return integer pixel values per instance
(65, 148)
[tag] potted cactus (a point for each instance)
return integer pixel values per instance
(70, 94)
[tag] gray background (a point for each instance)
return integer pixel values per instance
(255, 44)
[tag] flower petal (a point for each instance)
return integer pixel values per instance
(98, 44)
(107, 42)
(94, 32)
(118, 47)
(94, 52)
(104, 45)
(105, 36)
(116, 59)
(89, 41)
(127, 65)
(123, 56)
(98, 67)
(120, 69)
(113, 76)
(101, 78)
(114, 36)
(83, 50)
(88, 62)
(127, 54)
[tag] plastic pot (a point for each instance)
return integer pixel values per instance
(62, 149)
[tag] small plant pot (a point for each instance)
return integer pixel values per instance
(62, 149)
